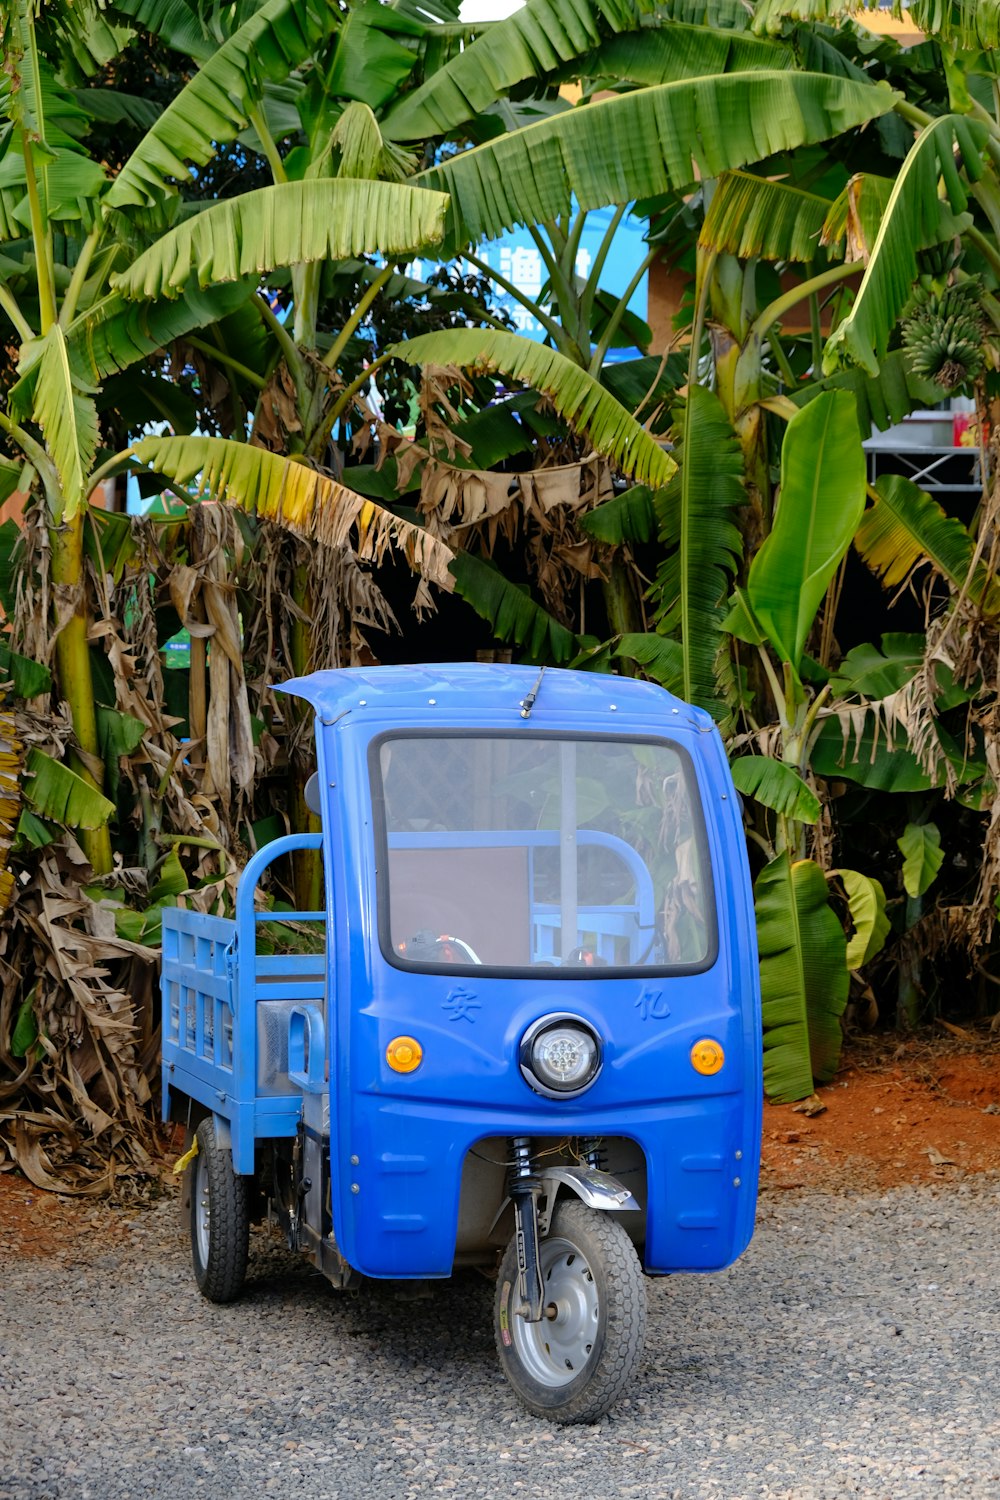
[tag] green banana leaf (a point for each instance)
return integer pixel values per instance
(56, 792)
(511, 612)
(920, 846)
(628, 517)
(28, 677)
(642, 144)
(369, 65)
(666, 55)
(215, 105)
(698, 514)
(11, 539)
(866, 903)
(10, 478)
(776, 786)
(646, 386)
(821, 502)
(803, 975)
(526, 45)
(753, 217)
(290, 223)
(659, 657)
(68, 419)
(906, 526)
(577, 396)
(873, 673)
(883, 399)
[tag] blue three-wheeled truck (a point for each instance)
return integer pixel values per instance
(526, 1036)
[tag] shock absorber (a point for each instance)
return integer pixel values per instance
(524, 1188)
(593, 1151)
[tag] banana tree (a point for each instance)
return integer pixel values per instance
(650, 140)
(805, 958)
(85, 307)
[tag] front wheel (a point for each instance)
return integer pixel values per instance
(220, 1220)
(574, 1364)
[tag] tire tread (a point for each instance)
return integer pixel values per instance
(222, 1278)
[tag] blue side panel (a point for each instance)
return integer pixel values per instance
(212, 982)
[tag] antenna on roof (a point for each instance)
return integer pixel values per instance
(529, 702)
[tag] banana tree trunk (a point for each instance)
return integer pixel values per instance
(74, 675)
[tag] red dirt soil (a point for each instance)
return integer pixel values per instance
(919, 1110)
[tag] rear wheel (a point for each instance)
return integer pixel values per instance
(574, 1364)
(220, 1220)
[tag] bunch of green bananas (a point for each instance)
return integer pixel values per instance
(944, 333)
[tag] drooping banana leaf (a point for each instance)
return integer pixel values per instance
(861, 755)
(118, 735)
(770, 15)
(11, 561)
(866, 903)
(180, 26)
(577, 396)
(803, 977)
(754, 217)
(85, 38)
(112, 107)
(56, 792)
(369, 65)
(659, 657)
(115, 334)
(873, 673)
(920, 846)
(856, 214)
(27, 677)
(820, 504)
(674, 52)
(68, 419)
(725, 15)
(643, 144)
(214, 106)
(906, 526)
(883, 399)
(698, 514)
(646, 385)
(528, 44)
(777, 786)
(970, 25)
(512, 613)
(628, 517)
(296, 496)
(915, 218)
(285, 225)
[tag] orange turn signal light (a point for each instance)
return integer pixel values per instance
(404, 1054)
(707, 1056)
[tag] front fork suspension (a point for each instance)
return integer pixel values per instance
(524, 1188)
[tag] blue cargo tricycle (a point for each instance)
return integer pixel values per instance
(526, 1034)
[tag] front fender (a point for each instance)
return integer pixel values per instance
(597, 1189)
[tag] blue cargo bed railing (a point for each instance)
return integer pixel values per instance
(213, 983)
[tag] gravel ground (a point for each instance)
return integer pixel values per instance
(852, 1351)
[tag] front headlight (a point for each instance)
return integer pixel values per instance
(560, 1055)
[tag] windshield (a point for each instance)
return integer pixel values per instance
(514, 851)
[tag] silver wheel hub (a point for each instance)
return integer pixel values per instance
(202, 1208)
(555, 1350)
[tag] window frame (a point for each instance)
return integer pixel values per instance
(558, 972)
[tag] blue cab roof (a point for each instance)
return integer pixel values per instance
(492, 693)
